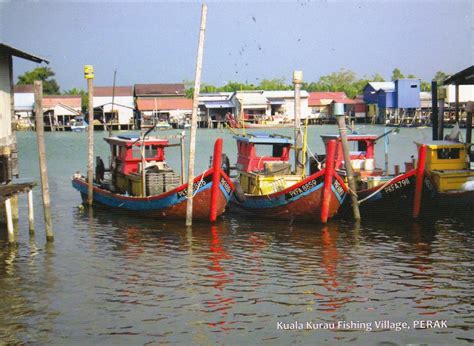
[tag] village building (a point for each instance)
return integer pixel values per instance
(59, 110)
(393, 101)
(172, 111)
(8, 147)
(213, 108)
(24, 101)
(250, 105)
(282, 104)
(8, 144)
(152, 112)
(114, 106)
(321, 105)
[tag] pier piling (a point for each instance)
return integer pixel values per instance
(31, 214)
(89, 75)
(297, 81)
(38, 87)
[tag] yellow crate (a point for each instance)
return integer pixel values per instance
(450, 180)
(257, 184)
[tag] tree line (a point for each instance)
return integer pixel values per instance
(343, 80)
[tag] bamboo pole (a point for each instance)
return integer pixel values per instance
(112, 111)
(347, 162)
(38, 86)
(31, 214)
(89, 75)
(10, 228)
(192, 139)
(297, 81)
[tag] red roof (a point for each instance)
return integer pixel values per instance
(108, 91)
(146, 104)
(159, 89)
(316, 97)
(50, 101)
(24, 89)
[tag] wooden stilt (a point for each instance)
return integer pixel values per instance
(192, 136)
(8, 212)
(38, 86)
(31, 214)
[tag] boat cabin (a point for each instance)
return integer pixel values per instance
(126, 152)
(447, 163)
(263, 163)
(362, 158)
(126, 166)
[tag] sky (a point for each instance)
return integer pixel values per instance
(156, 42)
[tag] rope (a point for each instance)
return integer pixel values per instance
(378, 190)
(199, 186)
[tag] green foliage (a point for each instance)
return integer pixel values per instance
(44, 74)
(440, 76)
(84, 97)
(343, 80)
(397, 74)
(425, 86)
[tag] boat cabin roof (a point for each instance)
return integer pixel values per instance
(352, 137)
(263, 138)
(129, 140)
(441, 144)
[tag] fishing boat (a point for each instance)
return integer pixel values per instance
(266, 187)
(448, 177)
(376, 190)
(140, 181)
(78, 124)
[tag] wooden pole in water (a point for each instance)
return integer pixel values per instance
(38, 86)
(434, 109)
(31, 214)
(183, 159)
(192, 136)
(339, 112)
(9, 215)
(89, 75)
(111, 124)
(297, 81)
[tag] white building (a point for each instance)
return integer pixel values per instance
(466, 93)
(114, 103)
(282, 102)
(24, 103)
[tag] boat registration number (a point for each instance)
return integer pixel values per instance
(226, 185)
(196, 186)
(396, 186)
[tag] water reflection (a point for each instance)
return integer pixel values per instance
(142, 279)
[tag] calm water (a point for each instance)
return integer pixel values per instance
(114, 279)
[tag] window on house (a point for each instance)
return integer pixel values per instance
(413, 86)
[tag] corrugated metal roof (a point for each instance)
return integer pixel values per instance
(319, 98)
(385, 86)
(218, 104)
(105, 91)
(21, 54)
(50, 101)
(159, 89)
(248, 98)
(24, 89)
(284, 94)
(464, 77)
(172, 103)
